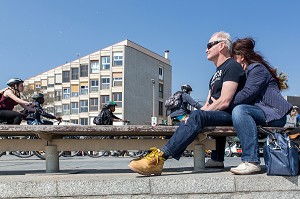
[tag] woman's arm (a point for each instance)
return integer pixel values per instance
(257, 79)
(22, 103)
(11, 95)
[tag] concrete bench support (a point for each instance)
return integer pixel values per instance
(199, 157)
(52, 161)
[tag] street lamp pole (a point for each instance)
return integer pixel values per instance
(153, 101)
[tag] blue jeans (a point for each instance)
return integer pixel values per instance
(188, 132)
(245, 119)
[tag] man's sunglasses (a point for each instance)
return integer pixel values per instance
(211, 44)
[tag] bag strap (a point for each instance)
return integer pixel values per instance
(269, 134)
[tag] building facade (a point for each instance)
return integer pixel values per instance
(137, 79)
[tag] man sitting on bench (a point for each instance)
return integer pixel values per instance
(228, 78)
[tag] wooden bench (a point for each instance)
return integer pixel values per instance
(51, 140)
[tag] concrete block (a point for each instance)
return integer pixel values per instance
(191, 185)
(23, 188)
(268, 195)
(263, 182)
(211, 196)
(160, 197)
(102, 187)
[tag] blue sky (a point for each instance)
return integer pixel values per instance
(37, 36)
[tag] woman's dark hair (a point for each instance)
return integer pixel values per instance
(245, 47)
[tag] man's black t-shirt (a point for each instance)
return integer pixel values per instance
(230, 70)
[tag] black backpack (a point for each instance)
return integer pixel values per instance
(174, 101)
(103, 118)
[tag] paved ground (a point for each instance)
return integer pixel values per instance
(12, 165)
(109, 177)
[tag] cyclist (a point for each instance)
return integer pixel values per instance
(39, 111)
(180, 114)
(10, 98)
(297, 116)
(106, 116)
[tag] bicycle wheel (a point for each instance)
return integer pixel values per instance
(97, 154)
(42, 154)
(70, 153)
(23, 154)
(2, 153)
(136, 154)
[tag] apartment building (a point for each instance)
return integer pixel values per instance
(137, 79)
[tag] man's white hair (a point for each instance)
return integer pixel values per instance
(224, 36)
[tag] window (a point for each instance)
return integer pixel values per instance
(75, 91)
(74, 121)
(105, 82)
(84, 70)
(58, 110)
(37, 86)
(50, 95)
(83, 121)
(84, 106)
(75, 73)
(117, 79)
(74, 108)
(105, 63)
(104, 99)
(66, 93)
(160, 90)
(95, 66)
(58, 79)
(66, 109)
(94, 104)
(160, 108)
(50, 110)
(66, 76)
(94, 85)
(161, 73)
(117, 97)
(44, 84)
(50, 82)
(57, 95)
(84, 88)
(118, 58)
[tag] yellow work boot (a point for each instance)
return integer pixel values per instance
(152, 163)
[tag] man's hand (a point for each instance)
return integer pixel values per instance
(58, 119)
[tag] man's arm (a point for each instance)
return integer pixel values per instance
(206, 105)
(228, 90)
(117, 119)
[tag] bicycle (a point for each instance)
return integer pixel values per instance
(20, 154)
(36, 120)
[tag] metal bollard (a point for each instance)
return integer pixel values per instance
(199, 157)
(52, 161)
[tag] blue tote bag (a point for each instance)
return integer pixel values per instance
(280, 154)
